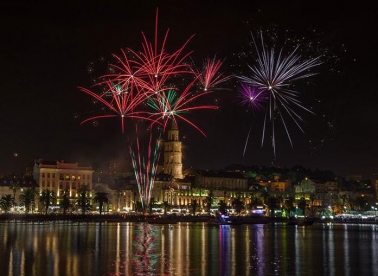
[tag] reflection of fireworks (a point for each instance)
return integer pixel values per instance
(274, 75)
(145, 253)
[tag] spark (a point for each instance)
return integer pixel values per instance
(171, 105)
(210, 76)
(275, 74)
(252, 96)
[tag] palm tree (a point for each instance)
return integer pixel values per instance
(47, 198)
(343, 197)
(84, 200)
(194, 206)
(272, 203)
(302, 205)
(312, 199)
(222, 207)
(165, 206)
(289, 205)
(255, 201)
(238, 205)
(101, 198)
(14, 187)
(27, 198)
(209, 200)
(65, 203)
(6, 202)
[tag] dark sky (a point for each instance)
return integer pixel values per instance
(46, 48)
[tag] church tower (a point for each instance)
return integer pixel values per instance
(172, 153)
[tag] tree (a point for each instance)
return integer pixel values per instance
(84, 200)
(209, 200)
(47, 198)
(238, 205)
(194, 206)
(289, 205)
(343, 197)
(101, 198)
(65, 203)
(165, 206)
(362, 203)
(312, 199)
(14, 187)
(302, 205)
(222, 207)
(27, 198)
(255, 201)
(6, 202)
(272, 203)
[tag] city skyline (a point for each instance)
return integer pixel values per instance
(46, 55)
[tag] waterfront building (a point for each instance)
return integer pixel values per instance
(57, 176)
(15, 186)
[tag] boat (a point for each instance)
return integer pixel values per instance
(217, 222)
(224, 220)
(300, 221)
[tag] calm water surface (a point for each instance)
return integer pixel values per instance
(62, 248)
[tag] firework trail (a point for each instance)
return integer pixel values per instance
(273, 76)
(210, 77)
(145, 159)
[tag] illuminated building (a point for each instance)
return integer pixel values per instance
(57, 176)
(173, 153)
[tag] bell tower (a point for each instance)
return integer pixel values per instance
(172, 153)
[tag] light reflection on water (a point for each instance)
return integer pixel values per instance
(62, 248)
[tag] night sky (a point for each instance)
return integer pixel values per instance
(46, 49)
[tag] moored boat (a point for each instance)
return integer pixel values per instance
(224, 220)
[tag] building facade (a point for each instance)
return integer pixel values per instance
(57, 176)
(173, 153)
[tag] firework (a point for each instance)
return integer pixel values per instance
(152, 67)
(145, 159)
(210, 76)
(274, 75)
(118, 100)
(172, 106)
(147, 85)
(252, 97)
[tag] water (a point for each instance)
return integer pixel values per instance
(66, 248)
